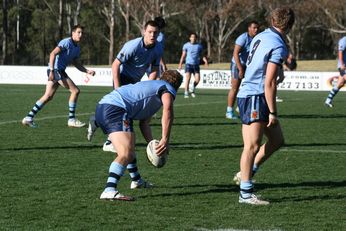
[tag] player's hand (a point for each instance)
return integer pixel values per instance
(161, 147)
(343, 67)
(51, 76)
(91, 72)
(273, 121)
(180, 67)
(241, 74)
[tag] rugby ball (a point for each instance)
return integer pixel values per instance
(154, 159)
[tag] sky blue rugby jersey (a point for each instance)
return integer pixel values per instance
(161, 39)
(135, 58)
(69, 52)
(141, 100)
(193, 53)
(244, 40)
(268, 46)
(342, 47)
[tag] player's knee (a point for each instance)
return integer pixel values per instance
(75, 91)
(252, 149)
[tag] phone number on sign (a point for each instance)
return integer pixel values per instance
(299, 85)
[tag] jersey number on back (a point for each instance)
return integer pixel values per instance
(249, 59)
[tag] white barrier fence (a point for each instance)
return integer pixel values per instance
(210, 79)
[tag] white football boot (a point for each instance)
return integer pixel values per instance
(115, 195)
(75, 123)
(141, 184)
(253, 200)
(27, 121)
(91, 128)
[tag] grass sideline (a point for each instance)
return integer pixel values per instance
(303, 65)
(51, 177)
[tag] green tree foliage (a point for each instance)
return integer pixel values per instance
(33, 27)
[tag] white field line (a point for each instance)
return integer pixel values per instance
(89, 113)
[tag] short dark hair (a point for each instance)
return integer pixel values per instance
(160, 22)
(75, 27)
(193, 33)
(252, 22)
(151, 23)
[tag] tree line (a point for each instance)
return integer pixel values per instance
(32, 28)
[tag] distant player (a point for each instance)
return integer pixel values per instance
(115, 114)
(161, 23)
(342, 71)
(192, 51)
(256, 100)
(238, 65)
(67, 52)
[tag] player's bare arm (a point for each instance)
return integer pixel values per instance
(270, 92)
(52, 56)
(166, 121)
(116, 73)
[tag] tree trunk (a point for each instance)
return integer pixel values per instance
(4, 32)
(111, 33)
(77, 12)
(60, 20)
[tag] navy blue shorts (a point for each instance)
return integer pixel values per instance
(235, 70)
(342, 72)
(253, 109)
(58, 75)
(193, 69)
(111, 118)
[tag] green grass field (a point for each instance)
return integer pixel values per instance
(51, 177)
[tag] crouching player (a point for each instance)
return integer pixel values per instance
(115, 114)
(256, 100)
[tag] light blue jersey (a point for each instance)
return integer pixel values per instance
(193, 53)
(244, 41)
(268, 46)
(69, 52)
(141, 100)
(342, 47)
(135, 58)
(161, 39)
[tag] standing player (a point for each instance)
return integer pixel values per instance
(67, 52)
(238, 64)
(134, 59)
(342, 71)
(256, 100)
(192, 52)
(115, 114)
(161, 23)
(130, 65)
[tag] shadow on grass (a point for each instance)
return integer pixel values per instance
(224, 188)
(173, 146)
(52, 148)
(202, 123)
(216, 188)
(311, 116)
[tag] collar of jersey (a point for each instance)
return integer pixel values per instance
(277, 32)
(147, 47)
